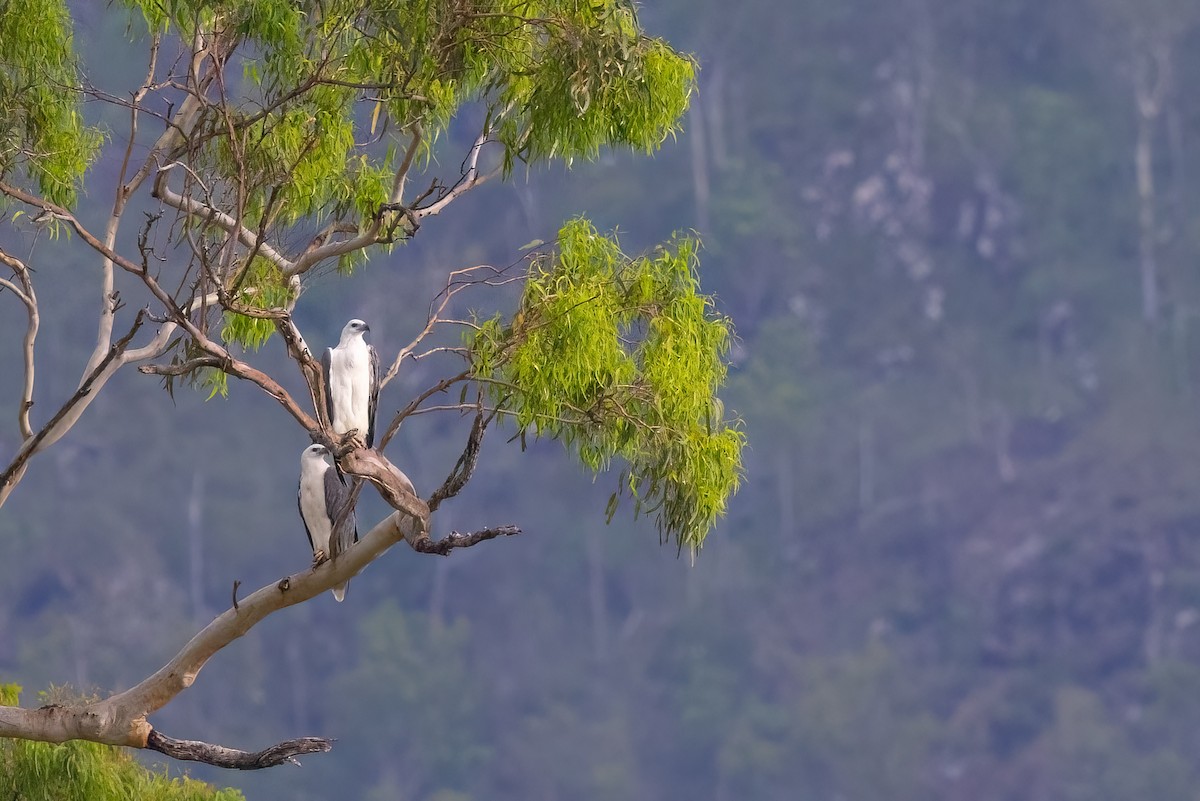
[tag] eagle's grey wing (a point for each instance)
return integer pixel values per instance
(326, 359)
(337, 496)
(300, 506)
(374, 401)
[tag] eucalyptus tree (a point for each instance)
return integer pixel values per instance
(270, 139)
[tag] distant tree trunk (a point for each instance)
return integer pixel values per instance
(195, 515)
(437, 595)
(972, 405)
(866, 466)
(785, 487)
(714, 108)
(1155, 638)
(597, 597)
(1001, 431)
(80, 649)
(922, 43)
(1151, 76)
(300, 684)
(701, 188)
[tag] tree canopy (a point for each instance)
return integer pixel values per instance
(272, 142)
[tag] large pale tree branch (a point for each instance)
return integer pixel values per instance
(410, 154)
(122, 719)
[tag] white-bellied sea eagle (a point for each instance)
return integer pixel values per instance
(322, 496)
(352, 383)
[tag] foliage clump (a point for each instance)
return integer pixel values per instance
(42, 132)
(622, 357)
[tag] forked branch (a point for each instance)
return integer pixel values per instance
(68, 413)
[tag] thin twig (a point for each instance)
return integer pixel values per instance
(412, 406)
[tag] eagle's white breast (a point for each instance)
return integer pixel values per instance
(350, 386)
(312, 502)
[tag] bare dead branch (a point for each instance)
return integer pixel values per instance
(243, 370)
(455, 283)
(392, 484)
(454, 540)
(430, 324)
(310, 369)
(464, 468)
(182, 368)
(222, 757)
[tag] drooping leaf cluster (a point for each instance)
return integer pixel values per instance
(622, 357)
(42, 134)
(83, 771)
(262, 286)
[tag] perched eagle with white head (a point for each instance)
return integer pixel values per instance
(322, 496)
(352, 383)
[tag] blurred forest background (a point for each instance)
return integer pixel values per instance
(958, 241)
